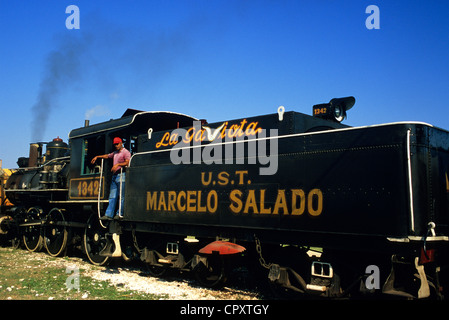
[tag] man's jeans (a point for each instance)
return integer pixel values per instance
(114, 195)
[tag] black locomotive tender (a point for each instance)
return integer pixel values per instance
(373, 200)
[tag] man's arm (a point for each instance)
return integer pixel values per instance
(103, 156)
(120, 164)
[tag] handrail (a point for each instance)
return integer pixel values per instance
(120, 194)
(99, 193)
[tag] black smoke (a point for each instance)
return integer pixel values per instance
(99, 53)
(62, 68)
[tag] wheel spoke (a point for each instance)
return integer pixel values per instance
(95, 241)
(32, 234)
(55, 233)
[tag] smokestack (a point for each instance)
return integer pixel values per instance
(34, 154)
(86, 123)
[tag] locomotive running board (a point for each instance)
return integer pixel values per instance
(418, 238)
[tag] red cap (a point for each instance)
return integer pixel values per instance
(116, 140)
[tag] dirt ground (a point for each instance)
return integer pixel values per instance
(32, 276)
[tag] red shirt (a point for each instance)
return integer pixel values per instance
(119, 156)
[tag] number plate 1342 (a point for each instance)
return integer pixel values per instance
(85, 188)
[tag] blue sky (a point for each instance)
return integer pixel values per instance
(218, 60)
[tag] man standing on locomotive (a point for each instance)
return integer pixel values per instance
(121, 158)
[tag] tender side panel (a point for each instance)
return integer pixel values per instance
(349, 182)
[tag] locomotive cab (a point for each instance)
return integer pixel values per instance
(92, 140)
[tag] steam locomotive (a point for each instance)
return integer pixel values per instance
(315, 206)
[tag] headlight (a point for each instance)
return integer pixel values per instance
(339, 114)
(335, 110)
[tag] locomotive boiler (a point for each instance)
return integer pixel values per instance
(317, 207)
